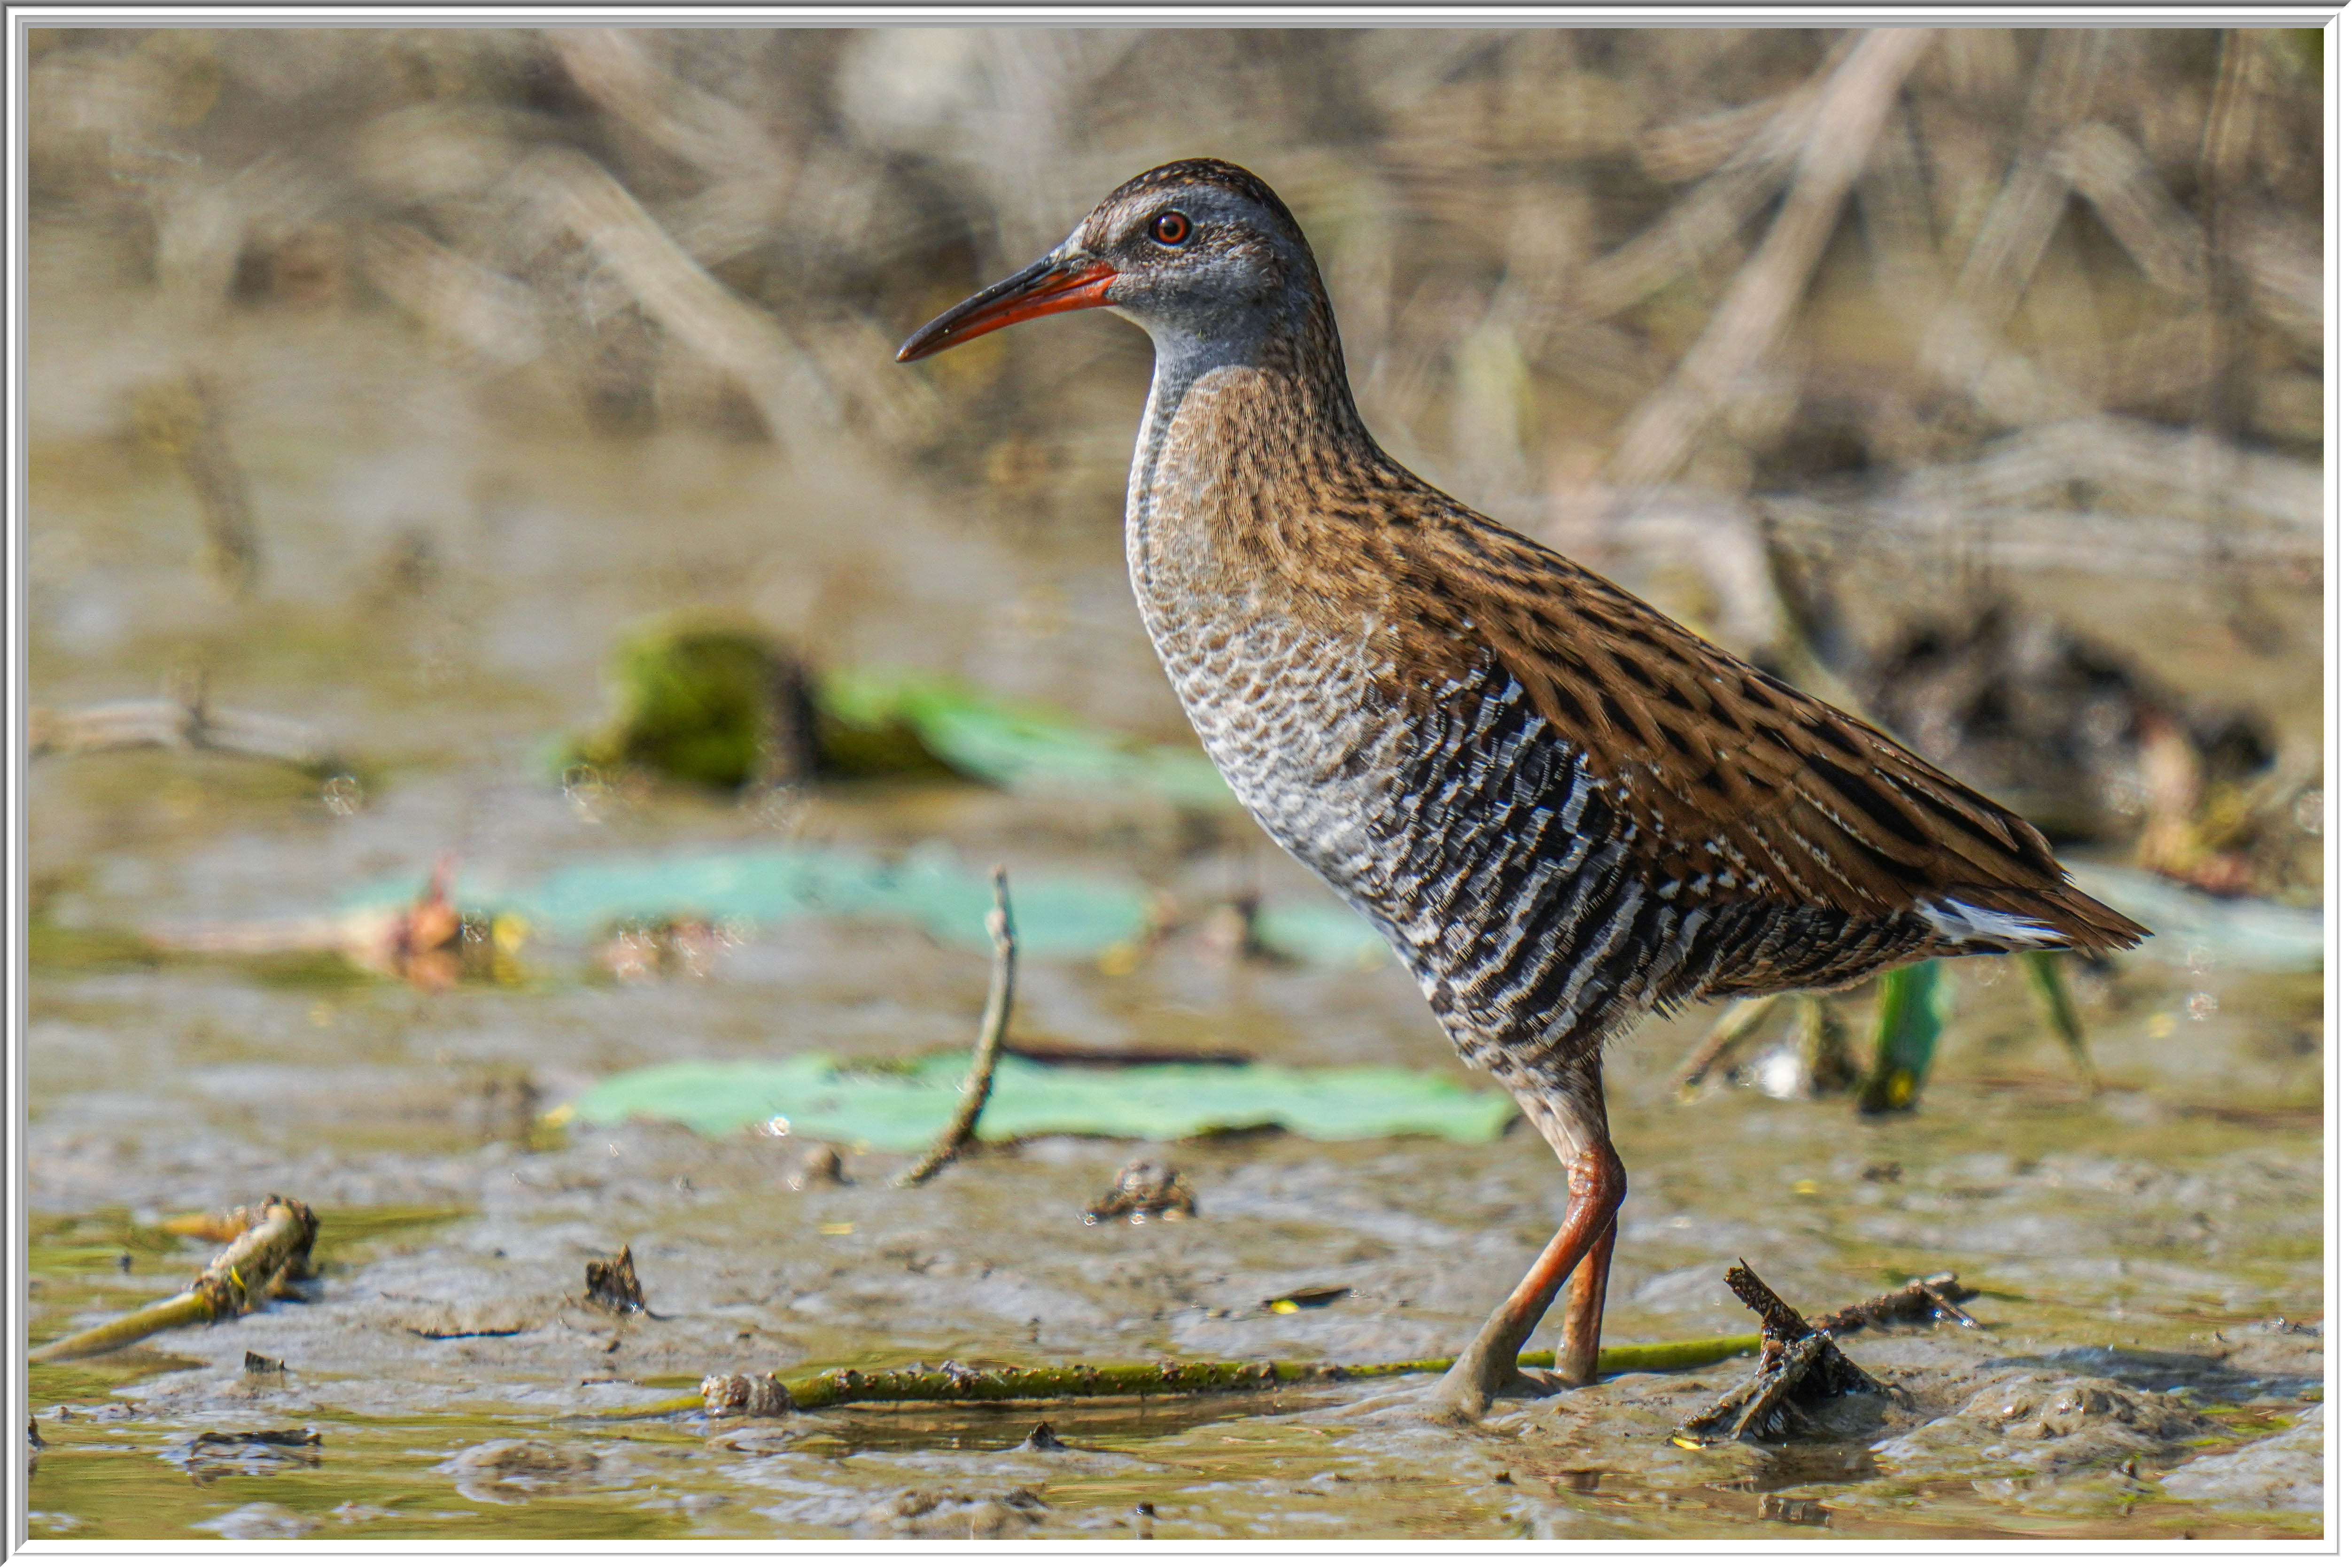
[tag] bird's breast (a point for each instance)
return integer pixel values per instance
(1287, 713)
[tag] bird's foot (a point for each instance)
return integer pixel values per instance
(1461, 1400)
(1489, 1370)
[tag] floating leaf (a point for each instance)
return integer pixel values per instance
(1019, 746)
(814, 1097)
(1061, 917)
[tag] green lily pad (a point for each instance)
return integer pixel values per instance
(1018, 746)
(817, 1098)
(1060, 916)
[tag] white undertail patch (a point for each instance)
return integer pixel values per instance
(1958, 922)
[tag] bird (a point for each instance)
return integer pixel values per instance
(1562, 809)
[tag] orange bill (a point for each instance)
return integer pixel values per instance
(1042, 289)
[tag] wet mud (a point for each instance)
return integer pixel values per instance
(2149, 1261)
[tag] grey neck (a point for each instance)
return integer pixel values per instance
(1182, 356)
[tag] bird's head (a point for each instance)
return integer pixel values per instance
(1199, 252)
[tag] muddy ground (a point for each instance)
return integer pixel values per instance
(442, 584)
(2149, 1362)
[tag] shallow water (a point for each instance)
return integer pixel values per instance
(2142, 1241)
(2151, 1259)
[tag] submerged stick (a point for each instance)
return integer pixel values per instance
(985, 1050)
(245, 1274)
(951, 1383)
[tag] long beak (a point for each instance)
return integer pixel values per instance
(1051, 284)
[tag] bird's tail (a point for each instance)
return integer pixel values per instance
(2019, 920)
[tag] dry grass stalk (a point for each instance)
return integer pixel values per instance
(1755, 311)
(471, 304)
(2117, 178)
(185, 722)
(581, 198)
(1961, 348)
(182, 418)
(1740, 1021)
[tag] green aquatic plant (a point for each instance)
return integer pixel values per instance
(1914, 1005)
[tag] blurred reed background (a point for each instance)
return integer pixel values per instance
(1970, 377)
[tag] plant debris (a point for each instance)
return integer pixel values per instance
(1936, 1296)
(1144, 1190)
(1791, 1509)
(745, 1394)
(1308, 1300)
(985, 1050)
(427, 940)
(274, 1251)
(613, 1285)
(2086, 744)
(1797, 1369)
(722, 707)
(185, 722)
(820, 1167)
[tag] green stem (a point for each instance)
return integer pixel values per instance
(2050, 989)
(843, 1386)
(1911, 1012)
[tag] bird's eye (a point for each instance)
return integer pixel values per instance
(1172, 229)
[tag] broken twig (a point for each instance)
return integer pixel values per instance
(984, 1051)
(276, 1249)
(1926, 1298)
(1144, 1189)
(1799, 1367)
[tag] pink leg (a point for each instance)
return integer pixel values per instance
(1578, 1361)
(1569, 1112)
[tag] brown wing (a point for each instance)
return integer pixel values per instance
(1738, 786)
